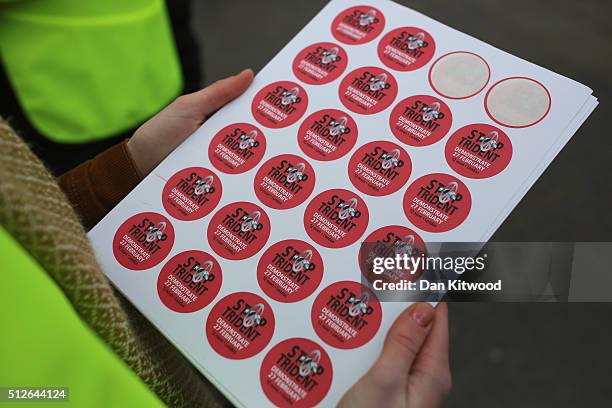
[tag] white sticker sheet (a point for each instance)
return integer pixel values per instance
(373, 123)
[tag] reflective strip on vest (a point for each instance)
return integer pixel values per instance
(86, 70)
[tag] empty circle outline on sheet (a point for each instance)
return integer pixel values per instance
(517, 102)
(459, 75)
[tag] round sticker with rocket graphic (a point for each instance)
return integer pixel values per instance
(437, 202)
(143, 241)
(379, 168)
(358, 25)
(189, 281)
(279, 104)
(240, 325)
(420, 120)
(290, 270)
(478, 151)
(388, 242)
(327, 134)
(320, 63)
(368, 90)
(192, 193)
(296, 373)
(336, 218)
(346, 315)
(406, 48)
(239, 230)
(237, 148)
(284, 181)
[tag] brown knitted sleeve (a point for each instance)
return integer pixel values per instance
(96, 186)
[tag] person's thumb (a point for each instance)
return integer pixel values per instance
(403, 343)
(207, 101)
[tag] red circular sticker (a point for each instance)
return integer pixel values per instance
(320, 63)
(279, 104)
(346, 315)
(358, 25)
(336, 218)
(388, 242)
(240, 325)
(368, 90)
(478, 151)
(143, 241)
(437, 202)
(192, 193)
(290, 270)
(420, 120)
(327, 134)
(189, 281)
(379, 168)
(237, 148)
(239, 230)
(406, 48)
(284, 181)
(296, 373)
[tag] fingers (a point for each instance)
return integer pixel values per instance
(205, 102)
(403, 343)
(432, 361)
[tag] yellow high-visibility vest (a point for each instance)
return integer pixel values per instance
(85, 70)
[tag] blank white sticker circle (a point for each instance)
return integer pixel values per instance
(459, 75)
(517, 102)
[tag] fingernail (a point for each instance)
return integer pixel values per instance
(243, 71)
(421, 313)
